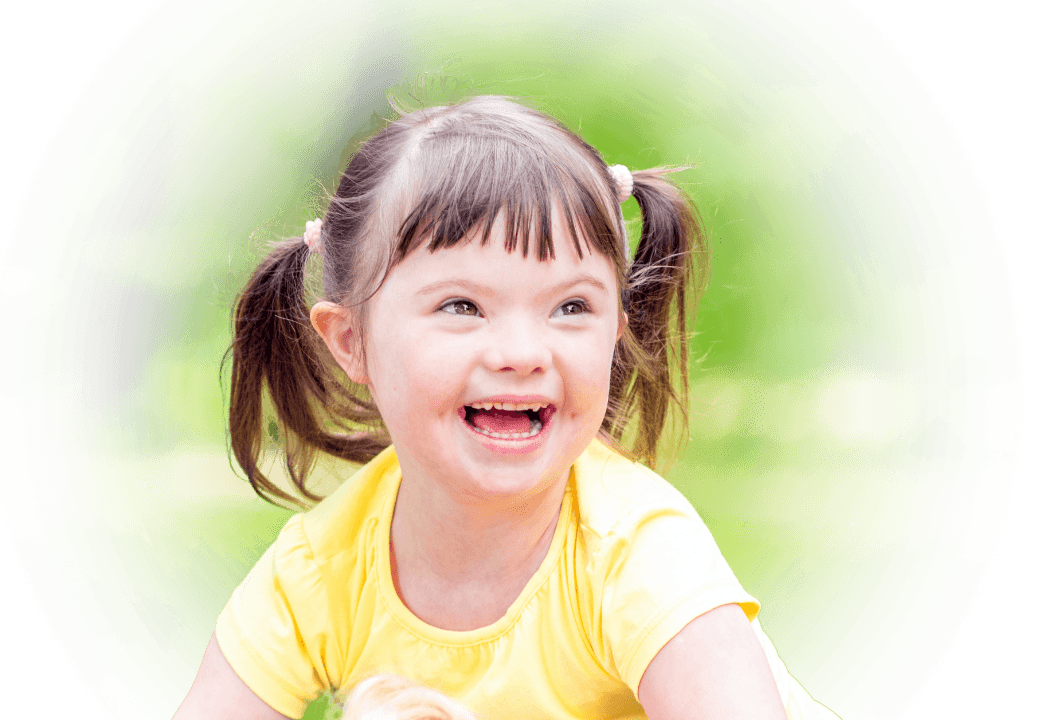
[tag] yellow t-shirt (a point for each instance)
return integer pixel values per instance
(630, 564)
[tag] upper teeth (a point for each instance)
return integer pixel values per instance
(508, 406)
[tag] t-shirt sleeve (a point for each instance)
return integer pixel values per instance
(660, 569)
(273, 632)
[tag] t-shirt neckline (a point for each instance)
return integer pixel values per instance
(439, 636)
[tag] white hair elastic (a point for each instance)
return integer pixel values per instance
(623, 179)
(312, 234)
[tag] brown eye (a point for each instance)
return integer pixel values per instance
(571, 307)
(460, 307)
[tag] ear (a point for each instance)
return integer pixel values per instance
(623, 321)
(336, 327)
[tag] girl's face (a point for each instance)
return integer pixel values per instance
(453, 332)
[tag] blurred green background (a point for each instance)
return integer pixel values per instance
(853, 364)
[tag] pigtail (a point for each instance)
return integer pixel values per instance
(650, 375)
(274, 347)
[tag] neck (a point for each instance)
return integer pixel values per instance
(459, 540)
(460, 563)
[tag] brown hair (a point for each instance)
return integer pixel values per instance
(436, 175)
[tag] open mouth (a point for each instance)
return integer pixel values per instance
(507, 421)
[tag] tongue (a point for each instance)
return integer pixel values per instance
(502, 421)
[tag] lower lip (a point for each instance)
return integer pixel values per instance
(513, 446)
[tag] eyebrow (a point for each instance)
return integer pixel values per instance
(490, 291)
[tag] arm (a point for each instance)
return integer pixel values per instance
(218, 692)
(714, 669)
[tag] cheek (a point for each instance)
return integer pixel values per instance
(603, 387)
(591, 372)
(414, 381)
(388, 377)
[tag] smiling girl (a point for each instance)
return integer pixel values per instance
(490, 351)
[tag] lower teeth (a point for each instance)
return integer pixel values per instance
(535, 428)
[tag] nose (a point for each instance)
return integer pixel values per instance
(518, 346)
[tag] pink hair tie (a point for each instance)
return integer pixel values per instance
(623, 179)
(312, 234)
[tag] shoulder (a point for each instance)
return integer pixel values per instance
(614, 494)
(638, 534)
(340, 521)
(328, 539)
(289, 620)
(650, 564)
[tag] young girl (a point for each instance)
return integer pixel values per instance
(490, 351)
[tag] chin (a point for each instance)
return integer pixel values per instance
(515, 477)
